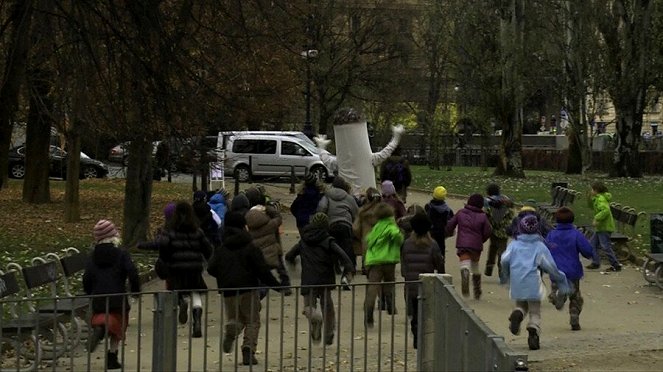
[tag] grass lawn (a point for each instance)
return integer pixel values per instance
(645, 194)
(26, 229)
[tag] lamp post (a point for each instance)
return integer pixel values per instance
(308, 126)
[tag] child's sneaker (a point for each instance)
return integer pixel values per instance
(514, 321)
(617, 268)
(533, 339)
(592, 266)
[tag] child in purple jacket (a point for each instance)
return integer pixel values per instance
(473, 230)
(565, 242)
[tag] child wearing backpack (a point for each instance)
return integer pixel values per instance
(498, 208)
(439, 213)
(319, 253)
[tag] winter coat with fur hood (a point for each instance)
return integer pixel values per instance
(263, 226)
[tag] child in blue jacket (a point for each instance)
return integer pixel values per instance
(521, 262)
(565, 243)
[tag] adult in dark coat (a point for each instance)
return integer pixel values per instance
(184, 249)
(306, 202)
(397, 170)
(240, 265)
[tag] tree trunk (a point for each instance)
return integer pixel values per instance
(13, 77)
(72, 205)
(36, 188)
(138, 193)
(626, 156)
(511, 45)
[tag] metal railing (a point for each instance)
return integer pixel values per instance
(451, 336)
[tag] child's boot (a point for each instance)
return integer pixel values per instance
(533, 338)
(183, 315)
(465, 281)
(575, 322)
(248, 356)
(111, 361)
(197, 314)
(489, 270)
(476, 283)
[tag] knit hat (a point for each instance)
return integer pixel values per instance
(320, 220)
(475, 200)
(420, 223)
(340, 183)
(529, 225)
(310, 179)
(440, 193)
(564, 215)
(104, 229)
(388, 188)
(235, 219)
(529, 205)
(200, 195)
(169, 210)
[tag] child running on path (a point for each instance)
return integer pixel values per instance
(500, 212)
(439, 213)
(420, 254)
(319, 254)
(473, 230)
(565, 243)
(383, 244)
(240, 267)
(107, 272)
(604, 225)
(521, 262)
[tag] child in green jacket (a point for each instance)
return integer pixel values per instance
(604, 225)
(383, 251)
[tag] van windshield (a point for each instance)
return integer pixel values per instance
(310, 146)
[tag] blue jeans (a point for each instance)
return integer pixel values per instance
(601, 239)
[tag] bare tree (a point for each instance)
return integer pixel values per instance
(20, 18)
(625, 27)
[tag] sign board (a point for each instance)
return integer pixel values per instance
(217, 173)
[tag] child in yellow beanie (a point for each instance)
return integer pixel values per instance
(439, 213)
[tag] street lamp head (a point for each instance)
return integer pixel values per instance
(311, 53)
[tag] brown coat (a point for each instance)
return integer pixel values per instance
(264, 229)
(363, 225)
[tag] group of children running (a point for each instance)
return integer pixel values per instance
(241, 244)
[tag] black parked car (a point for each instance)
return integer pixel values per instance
(90, 168)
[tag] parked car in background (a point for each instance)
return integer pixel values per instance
(90, 168)
(120, 153)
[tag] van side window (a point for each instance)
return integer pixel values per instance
(249, 146)
(266, 147)
(291, 148)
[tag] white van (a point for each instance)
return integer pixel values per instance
(223, 136)
(270, 155)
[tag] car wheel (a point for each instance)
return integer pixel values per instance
(320, 173)
(90, 172)
(242, 173)
(17, 170)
